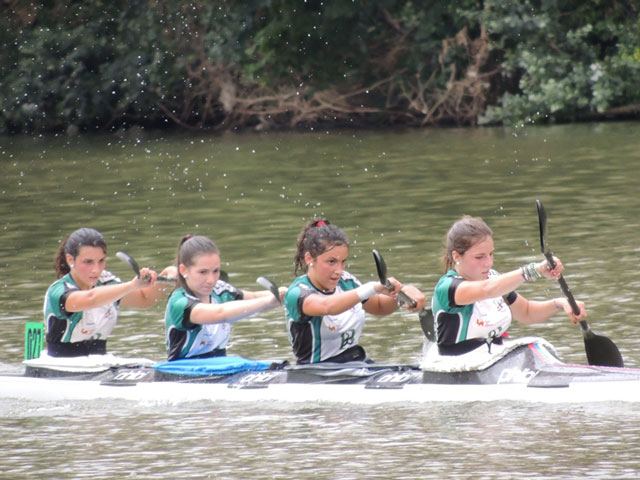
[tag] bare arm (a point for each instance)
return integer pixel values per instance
(149, 296)
(531, 311)
(316, 305)
(81, 300)
(230, 312)
(473, 291)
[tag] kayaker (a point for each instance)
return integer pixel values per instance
(473, 304)
(199, 312)
(81, 307)
(326, 305)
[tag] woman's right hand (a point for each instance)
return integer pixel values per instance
(566, 306)
(146, 279)
(282, 292)
(546, 271)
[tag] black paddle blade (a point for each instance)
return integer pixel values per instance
(601, 351)
(542, 221)
(125, 257)
(382, 274)
(380, 266)
(269, 285)
(427, 323)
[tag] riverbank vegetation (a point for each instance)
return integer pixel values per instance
(98, 65)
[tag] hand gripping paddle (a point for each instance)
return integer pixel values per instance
(382, 273)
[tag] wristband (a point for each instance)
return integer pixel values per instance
(366, 290)
(530, 273)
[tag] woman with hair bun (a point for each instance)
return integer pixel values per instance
(81, 307)
(202, 307)
(326, 305)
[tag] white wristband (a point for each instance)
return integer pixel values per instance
(366, 290)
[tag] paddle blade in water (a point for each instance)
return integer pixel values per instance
(601, 351)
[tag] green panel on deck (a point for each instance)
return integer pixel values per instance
(33, 340)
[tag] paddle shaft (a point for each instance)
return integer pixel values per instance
(567, 293)
(563, 285)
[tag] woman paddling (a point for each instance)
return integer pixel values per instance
(81, 307)
(326, 305)
(201, 309)
(473, 304)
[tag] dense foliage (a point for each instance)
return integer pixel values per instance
(102, 64)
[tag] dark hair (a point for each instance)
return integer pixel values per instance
(463, 235)
(83, 237)
(189, 248)
(317, 237)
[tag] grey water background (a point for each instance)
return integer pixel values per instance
(394, 191)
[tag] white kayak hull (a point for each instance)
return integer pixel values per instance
(522, 370)
(38, 389)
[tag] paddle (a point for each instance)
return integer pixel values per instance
(426, 323)
(269, 285)
(125, 257)
(600, 350)
(382, 273)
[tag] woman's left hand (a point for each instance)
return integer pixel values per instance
(416, 295)
(147, 277)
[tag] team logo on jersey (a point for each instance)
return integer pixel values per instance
(348, 338)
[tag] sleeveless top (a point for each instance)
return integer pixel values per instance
(318, 338)
(186, 339)
(483, 320)
(90, 328)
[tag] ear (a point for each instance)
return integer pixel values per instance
(308, 258)
(69, 259)
(183, 269)
(456, 256)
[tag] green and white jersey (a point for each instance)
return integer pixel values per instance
(186, 339)
(315, 339)
(454, 323)
(64, 327)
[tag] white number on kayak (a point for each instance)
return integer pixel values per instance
(259, 377)
(515, 375)
(130, 376)
(395, 377)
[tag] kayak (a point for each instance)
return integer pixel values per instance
(523, 370)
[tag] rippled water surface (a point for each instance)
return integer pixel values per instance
(397, 192)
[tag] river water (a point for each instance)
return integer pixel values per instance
(394, 191)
